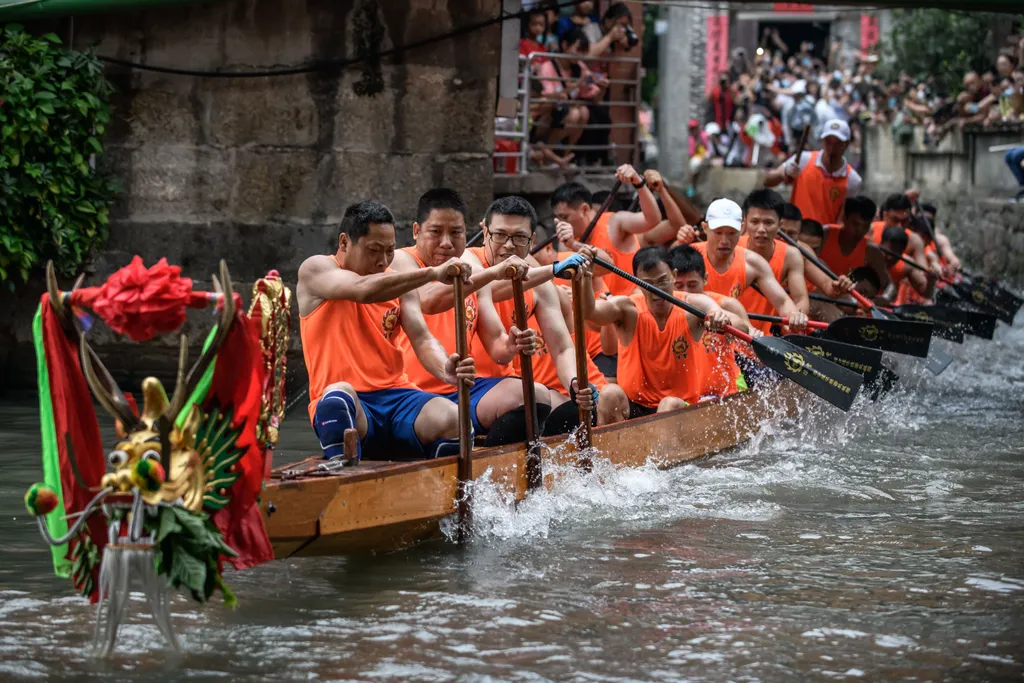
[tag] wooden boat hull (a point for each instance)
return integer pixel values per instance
(382, 506)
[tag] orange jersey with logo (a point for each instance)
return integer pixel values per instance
(819, 196)
(733, 281)
(840, 263)
(442, 326)
(622, 259)
(752, 299)
(721, 371)
(544, 370)
(343, 341)
(485, 365)
(658, 363)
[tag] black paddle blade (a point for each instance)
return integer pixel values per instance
(862, 360)
(937, 361)
(897, 336)
(971, 322)
(832, 382)
(977, 296)
(943, 330)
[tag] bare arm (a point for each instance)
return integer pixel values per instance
(491, 331)
(611, 311)
(945, 248)
(556, 334)
(795, 278)
(760, 273)
(874, 258)
(428, 349)
(320, 279)
(633, 223)
(663, 233)
(736, 313)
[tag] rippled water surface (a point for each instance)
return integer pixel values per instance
(887, 544)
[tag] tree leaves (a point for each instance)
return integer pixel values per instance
(54, 110)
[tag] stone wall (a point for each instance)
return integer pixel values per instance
(258, 171)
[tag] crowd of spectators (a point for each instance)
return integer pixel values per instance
(756, 112)
(569, 116)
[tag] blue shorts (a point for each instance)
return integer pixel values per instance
(481, 385)
(390, 418)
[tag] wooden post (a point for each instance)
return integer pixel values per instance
(534, 468)
(465, 469)
(582, 374)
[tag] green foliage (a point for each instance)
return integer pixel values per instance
(189, 549)
(941, 44)
(54, 110)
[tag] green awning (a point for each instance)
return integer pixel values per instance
(32, 9)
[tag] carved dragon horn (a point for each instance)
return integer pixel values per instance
(105, 389)
(186, 383)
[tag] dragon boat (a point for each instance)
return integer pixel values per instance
(189, 483)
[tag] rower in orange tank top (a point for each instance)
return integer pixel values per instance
(661, 363)
(356, 343)
(622, 259)
(819, 196)
(442, 326)
(733, 281)
(833, 256)
(545, 372)
(751, 299)
(722, 376)
(485, 365)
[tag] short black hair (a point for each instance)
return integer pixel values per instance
(575, 35)
(440, 198)
(896, 236)
(929, 208)
(512, 206)
(617, 204)
(896, 202)
(524, 24)
(647, 258)
(358, 218)
(809, 226)
(617, 11)
(686, 259)
(862, 206)
(866, 273)
(791, 212)
(572, 194)
(766, 199)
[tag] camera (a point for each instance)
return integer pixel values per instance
(631, 37)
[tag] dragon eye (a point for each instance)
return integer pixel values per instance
(117, 458)
(151, 455)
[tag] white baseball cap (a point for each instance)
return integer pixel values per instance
(836, 129)
(724, 213)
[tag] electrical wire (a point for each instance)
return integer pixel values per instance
(330, 63)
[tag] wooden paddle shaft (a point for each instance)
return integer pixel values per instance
(861, 299)
(465, 468)
(804, 137)
(582, 371)
(604, 207)
(534, 474)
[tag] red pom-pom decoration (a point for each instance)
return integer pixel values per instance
(40, 499)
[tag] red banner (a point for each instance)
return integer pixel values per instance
(794, 7)
(868, 32)
(718, 50)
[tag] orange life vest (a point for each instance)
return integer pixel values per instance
(343, 341)
(752, 299)
(485, 365)
(733, 281)
(721, 371)
(622, 259)
(442, 326)
(840, 263)
(658, 363)
(819, 196)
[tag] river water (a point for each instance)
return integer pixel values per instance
(883, 545)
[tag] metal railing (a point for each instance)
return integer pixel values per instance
(517, 128)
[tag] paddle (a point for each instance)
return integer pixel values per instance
(534, 474)
(972, 322)
(861, 359)
(604, 207)
(884, 332)
(804, 137)
(974, 294)
(832, 382)
(465, 462)
(1003, 299)
(579, 325)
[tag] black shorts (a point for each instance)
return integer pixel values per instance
(636, 410)
(608, 365)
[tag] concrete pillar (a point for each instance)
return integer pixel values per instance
(674, 93)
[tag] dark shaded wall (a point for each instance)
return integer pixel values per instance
(258, 171)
